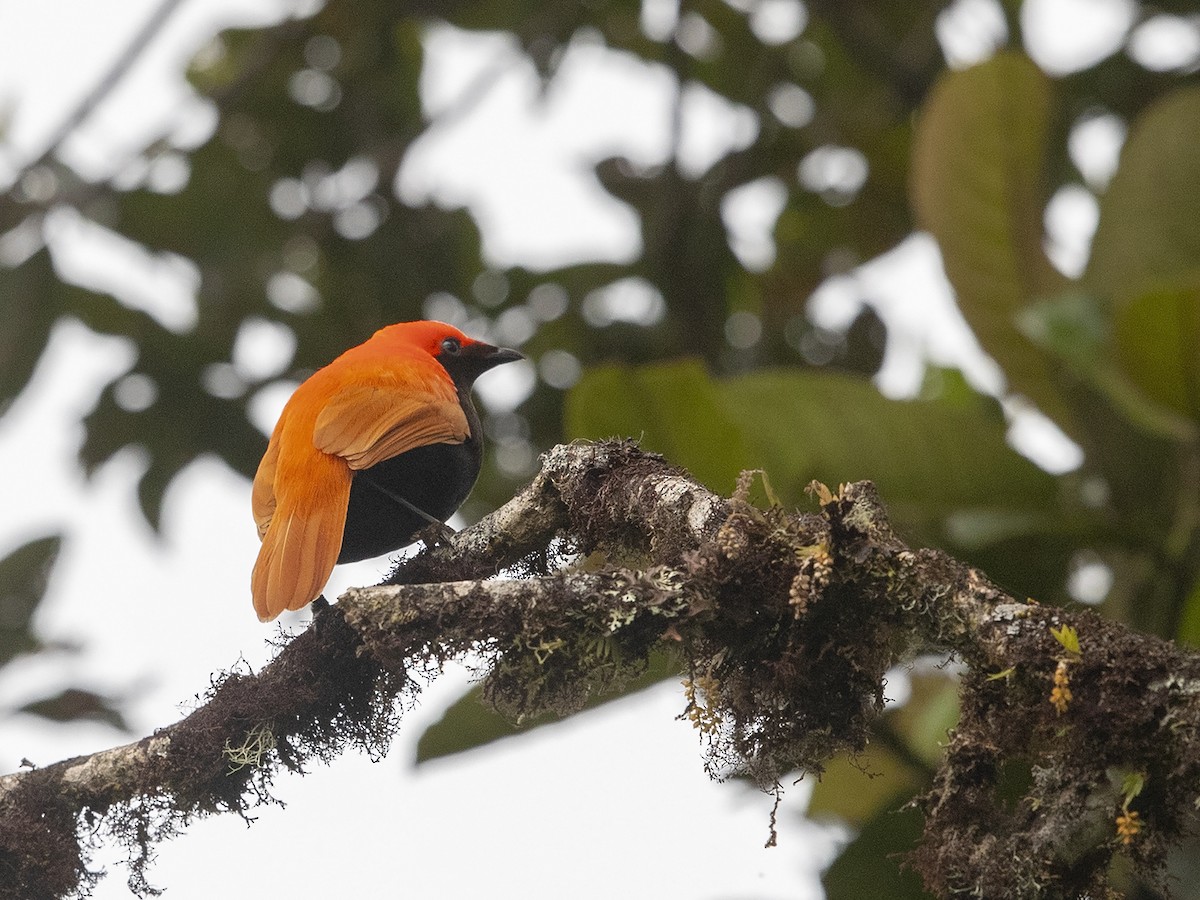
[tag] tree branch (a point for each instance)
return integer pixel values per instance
(109, 80)
(787, 625)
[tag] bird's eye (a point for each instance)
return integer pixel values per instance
(451, 345)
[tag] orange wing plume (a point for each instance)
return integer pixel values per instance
(369, 423)
(372, 403)
(302, 538)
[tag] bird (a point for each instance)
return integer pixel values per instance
(366, 452)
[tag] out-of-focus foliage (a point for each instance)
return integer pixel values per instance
(967, 491)
(470, 722)
(977, 175)
(869, 791)
(288, 218)
(23, 576)
(24, 573)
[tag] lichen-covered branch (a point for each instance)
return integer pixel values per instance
(599, 495)
(786, 625)
(1104, 721)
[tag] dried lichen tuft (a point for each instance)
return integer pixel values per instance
(561, 653)
(798, 651)
(40, 856)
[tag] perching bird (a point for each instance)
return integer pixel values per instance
(369, 450)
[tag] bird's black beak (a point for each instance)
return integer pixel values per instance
(496, 356)
(484, 356)
(476, 358)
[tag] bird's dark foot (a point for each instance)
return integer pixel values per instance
(318, 606)
(435, 534)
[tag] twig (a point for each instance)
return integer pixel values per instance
(108, 81)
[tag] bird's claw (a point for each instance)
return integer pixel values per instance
(436, 533)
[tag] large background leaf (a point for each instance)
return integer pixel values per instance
(1156, 342)
(978, 184)
(1147, 236)
(470, 722)
(943, 465)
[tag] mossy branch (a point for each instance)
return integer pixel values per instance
(786, 625)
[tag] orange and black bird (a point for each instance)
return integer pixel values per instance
(369, 450)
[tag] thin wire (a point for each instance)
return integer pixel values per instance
(394, 496)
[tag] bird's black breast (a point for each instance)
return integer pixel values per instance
(435, 478)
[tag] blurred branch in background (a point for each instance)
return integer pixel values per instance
(109, 80)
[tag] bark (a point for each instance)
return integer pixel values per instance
(786, 625)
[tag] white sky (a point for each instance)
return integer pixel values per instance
(611, 802)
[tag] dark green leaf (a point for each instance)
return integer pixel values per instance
(1073, 326)
(943, 466)
(1156, 340)
(23, 577)
(672, 408)
(75, 703)
(870, 867)
(1189, 619)
(1149, 232)
(27, 309)
(470, 722)
(931, 710)
(859, 789)
(929, 458)
(1117, 421)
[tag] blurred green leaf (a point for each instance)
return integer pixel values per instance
(859, 789)
(1077, 331)
(869, 868)
(468, 723)
(23, 577)
(1189, 620)
(471, 722)
(928, 715)
(800, 425)
(27, 309)
(943, 466)
(672, 408)
(1073, 326)
(1148, 236)
(906, 746)
(1117, 423)
(1156, 340)
(927, 457)
(75, 703)
(976, 184)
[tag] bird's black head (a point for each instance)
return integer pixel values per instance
(466, 359)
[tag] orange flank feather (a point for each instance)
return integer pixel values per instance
(374, 402)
